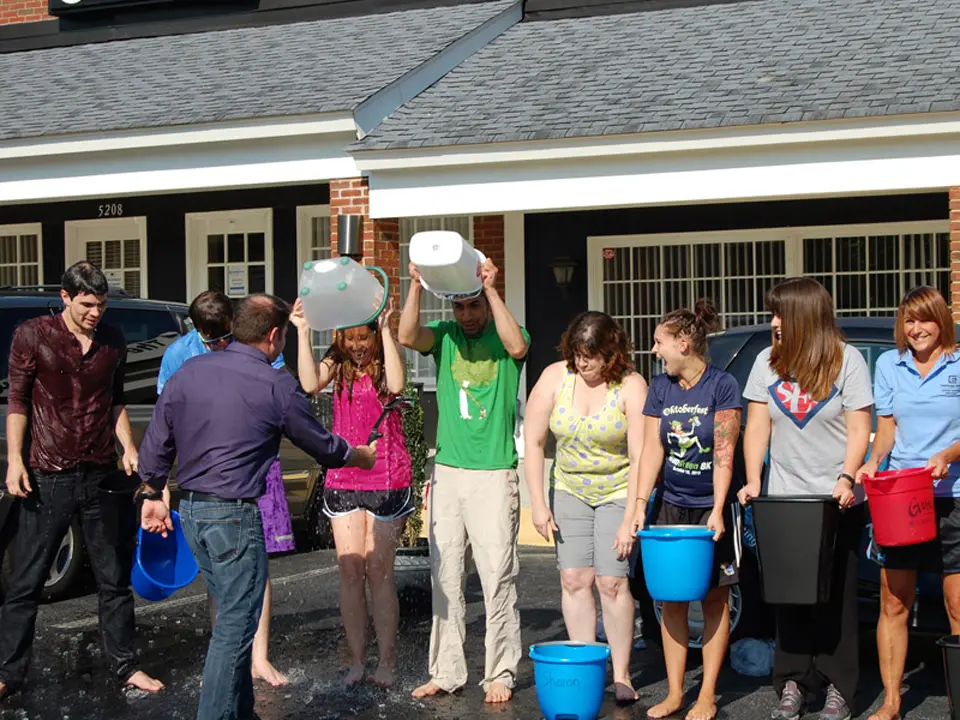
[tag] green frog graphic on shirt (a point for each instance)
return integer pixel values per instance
(685, 439)
(476, 370)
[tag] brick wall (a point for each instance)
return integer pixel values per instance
(488, 239)
(18, 11)
(955, 252)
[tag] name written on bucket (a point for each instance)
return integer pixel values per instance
(560, 682)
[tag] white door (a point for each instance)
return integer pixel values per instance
(230, 251)
(117, 246)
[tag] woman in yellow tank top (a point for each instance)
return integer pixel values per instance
(592, 401)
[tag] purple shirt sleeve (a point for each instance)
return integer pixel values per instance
(306, 432)
(158, 449)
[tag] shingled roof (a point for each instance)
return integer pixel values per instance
(273, 71)
(747, 63)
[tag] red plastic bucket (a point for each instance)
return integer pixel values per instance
(901, 506)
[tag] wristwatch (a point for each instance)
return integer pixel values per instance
(148, 493)
(848, 477)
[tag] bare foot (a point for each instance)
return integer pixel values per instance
(382, 677)
(703, 710)
(264, 670)
(142, 681)
(354, 675)
(887, 712)
(498, 693)
(625, 692)
(427, 690)
(670, 706)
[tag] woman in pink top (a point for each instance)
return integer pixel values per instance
(367, 508)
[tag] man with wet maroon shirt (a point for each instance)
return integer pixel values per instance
(66, 388)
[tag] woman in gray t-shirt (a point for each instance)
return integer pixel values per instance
(809, 401)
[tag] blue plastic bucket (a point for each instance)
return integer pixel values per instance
(570, 678)
(677, 561)
(162, 565)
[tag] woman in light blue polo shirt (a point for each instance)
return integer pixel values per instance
(917, 395)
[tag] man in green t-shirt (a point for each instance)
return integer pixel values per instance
(473, 493)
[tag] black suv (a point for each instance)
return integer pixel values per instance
(735, 351)
(149, 327)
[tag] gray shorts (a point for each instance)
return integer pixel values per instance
(587, 533)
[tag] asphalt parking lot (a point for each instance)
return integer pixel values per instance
(69, 678)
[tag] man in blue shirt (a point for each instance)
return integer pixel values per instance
(222, 416)
(211, 313)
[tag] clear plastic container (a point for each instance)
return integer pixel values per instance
(340, 293)
(449, 266)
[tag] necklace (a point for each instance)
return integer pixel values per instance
(691, 383)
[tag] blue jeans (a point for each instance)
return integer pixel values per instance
(227, 540)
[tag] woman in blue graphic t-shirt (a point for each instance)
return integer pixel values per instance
(691, 426)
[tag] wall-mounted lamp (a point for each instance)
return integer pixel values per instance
(350, 236)
(563, 268)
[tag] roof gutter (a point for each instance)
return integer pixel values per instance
(327, 124)
(654, 143)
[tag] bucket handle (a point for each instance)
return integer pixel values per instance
(383, 304)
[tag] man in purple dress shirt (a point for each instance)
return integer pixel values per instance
(222, 416)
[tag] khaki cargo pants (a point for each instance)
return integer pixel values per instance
(484, 507)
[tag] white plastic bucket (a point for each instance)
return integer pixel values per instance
(449, 266)
(340, 293)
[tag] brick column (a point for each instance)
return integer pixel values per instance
(381, 238)
(954, 298)
(488, 239)
(22, 11)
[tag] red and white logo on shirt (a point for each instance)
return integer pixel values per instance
(796, 403)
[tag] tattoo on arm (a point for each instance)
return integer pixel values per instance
(726, 432)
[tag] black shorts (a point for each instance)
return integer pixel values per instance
(727, 550)
(941, 555)
(384, 505)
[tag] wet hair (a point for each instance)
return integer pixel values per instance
(346, 372)
(211, 313)
(593, 334)
(694, 325)
(925, 304)
(810, 350)
(84, 278)
(256, 315)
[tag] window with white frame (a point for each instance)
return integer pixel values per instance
(867, 269)
(314, 243)
(21, 252)
(868, 274)
(641, 283)
(431, 307)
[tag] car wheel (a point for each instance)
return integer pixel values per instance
(695, 619)
(67, 564)
(66, 569)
